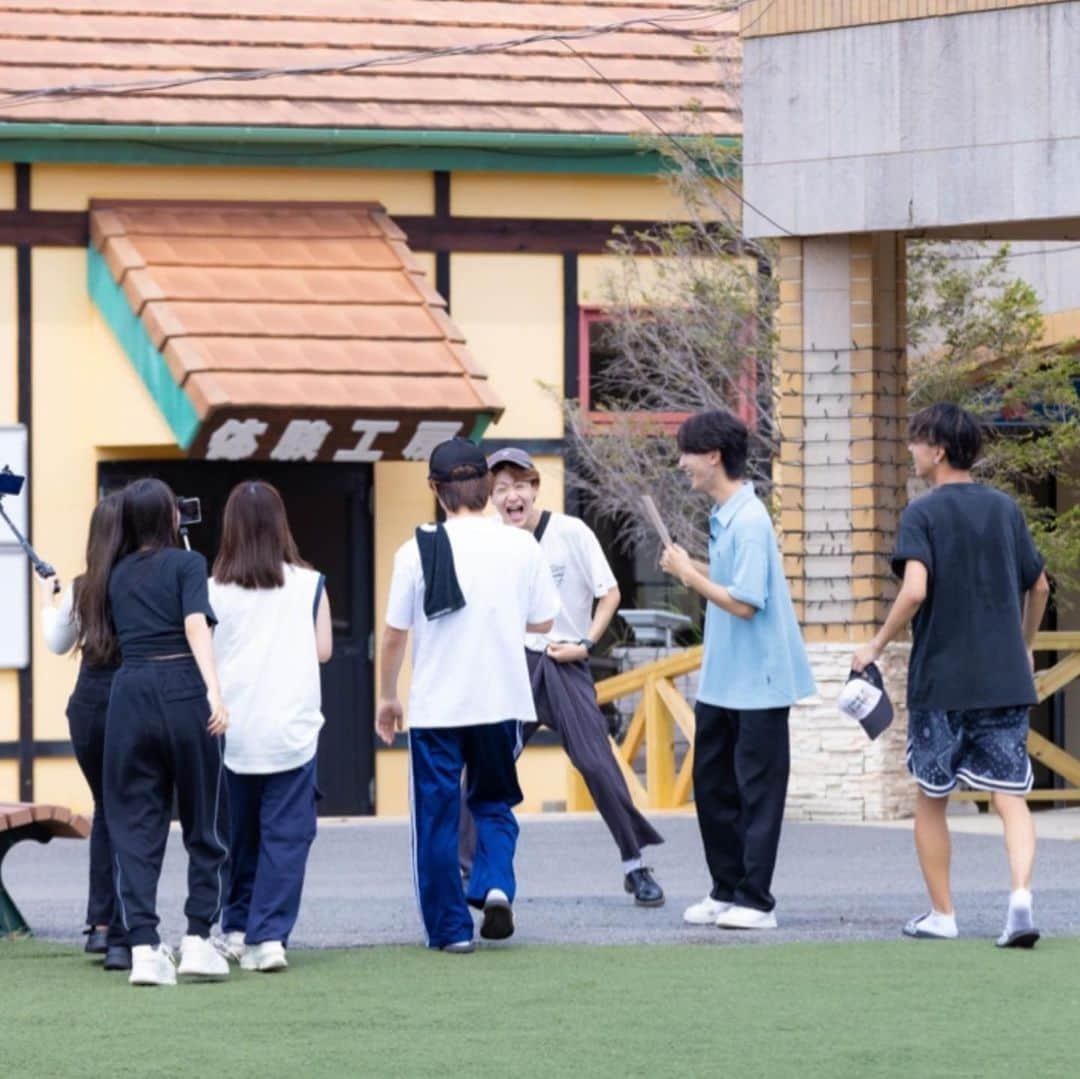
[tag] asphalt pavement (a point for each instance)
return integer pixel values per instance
(833, 882)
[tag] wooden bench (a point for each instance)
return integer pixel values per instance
(31, 820)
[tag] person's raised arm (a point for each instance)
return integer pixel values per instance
(201, 641)
(908, 600)
(59, 625)
(389, 715)
(324, 630)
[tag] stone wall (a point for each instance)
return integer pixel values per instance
(837, 773)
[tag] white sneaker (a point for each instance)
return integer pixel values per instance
(200, 959)
(266, 957)
(231, 945)
(706, 912)
(152, 964)
(736, 917)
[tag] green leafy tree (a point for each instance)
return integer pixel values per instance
(977, 337)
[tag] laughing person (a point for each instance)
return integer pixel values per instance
(755, 668)
(559, 660)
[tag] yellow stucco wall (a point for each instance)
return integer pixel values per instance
(9, 781)
(510, 308)
(636, 198)
(7, 186)
(87, 398)
(89, 405)
(9, 371)
(70, 187)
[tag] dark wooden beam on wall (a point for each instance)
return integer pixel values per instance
(571, 360)
(427, 232)
(24, 413)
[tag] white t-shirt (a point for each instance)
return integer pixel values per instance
(469, 667)
(268, 664)
(581, 574)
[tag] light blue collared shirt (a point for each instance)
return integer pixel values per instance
(757, 662)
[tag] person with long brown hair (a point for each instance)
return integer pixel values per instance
(273, 631)
(64, 627)
(163, 732)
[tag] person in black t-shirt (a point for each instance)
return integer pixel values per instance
(163, 732)
(974, 589)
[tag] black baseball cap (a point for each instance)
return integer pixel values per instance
(864, 698)
(456, 459)
(510, 455)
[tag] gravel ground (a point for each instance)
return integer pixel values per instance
(833, 882)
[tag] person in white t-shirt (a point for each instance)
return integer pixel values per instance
(273, 631)
(562, 685)
(468, 591)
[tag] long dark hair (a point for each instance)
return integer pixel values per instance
(99, 649)
(256, 542)
(147, 511)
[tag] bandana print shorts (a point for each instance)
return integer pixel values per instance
(985, 747)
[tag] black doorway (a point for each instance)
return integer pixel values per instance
(329, 510)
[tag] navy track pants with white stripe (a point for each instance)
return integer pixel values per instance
(273, 826)
(437, 757)
(156, 743)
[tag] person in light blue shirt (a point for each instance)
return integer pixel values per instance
(755, 668)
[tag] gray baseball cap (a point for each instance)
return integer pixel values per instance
(510, 455)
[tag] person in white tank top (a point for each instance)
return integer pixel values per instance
(273, 632)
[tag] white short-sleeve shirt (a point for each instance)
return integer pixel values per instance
(580, 572)
(468, 666)
(268, 664)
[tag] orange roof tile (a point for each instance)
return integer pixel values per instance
(135, 61)
(277, 311)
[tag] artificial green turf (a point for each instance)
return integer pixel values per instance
(901, 1008)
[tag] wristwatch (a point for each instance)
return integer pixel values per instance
(587, 644)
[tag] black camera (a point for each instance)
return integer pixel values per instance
(190, 511)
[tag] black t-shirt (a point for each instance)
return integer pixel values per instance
(151, 593)
(969, 649)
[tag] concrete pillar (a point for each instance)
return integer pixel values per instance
(841, 478)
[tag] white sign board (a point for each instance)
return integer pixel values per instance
(14, 565)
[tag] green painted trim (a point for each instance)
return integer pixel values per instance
(110, 300)
(480, 425)
(488, 151)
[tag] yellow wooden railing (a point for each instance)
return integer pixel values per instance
(1047, 683)
(662, 709)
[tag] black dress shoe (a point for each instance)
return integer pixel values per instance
(96, 941)
(118, 957)
(646, 892)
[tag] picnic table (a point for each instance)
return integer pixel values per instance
(31, 820)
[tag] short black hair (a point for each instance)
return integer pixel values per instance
(952, 428)
(708, 431)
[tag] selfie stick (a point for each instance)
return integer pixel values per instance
(42, 568)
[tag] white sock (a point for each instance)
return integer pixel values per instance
(631, 864)
(943, 925)
(1019, 916)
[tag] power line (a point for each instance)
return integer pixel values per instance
(14, 99)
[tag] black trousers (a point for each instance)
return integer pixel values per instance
(156, 743)
(565, 700)
(741, 764)
(87, 709)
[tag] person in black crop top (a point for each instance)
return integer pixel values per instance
(163, 733)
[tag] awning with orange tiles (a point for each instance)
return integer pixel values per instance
(284, 331)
